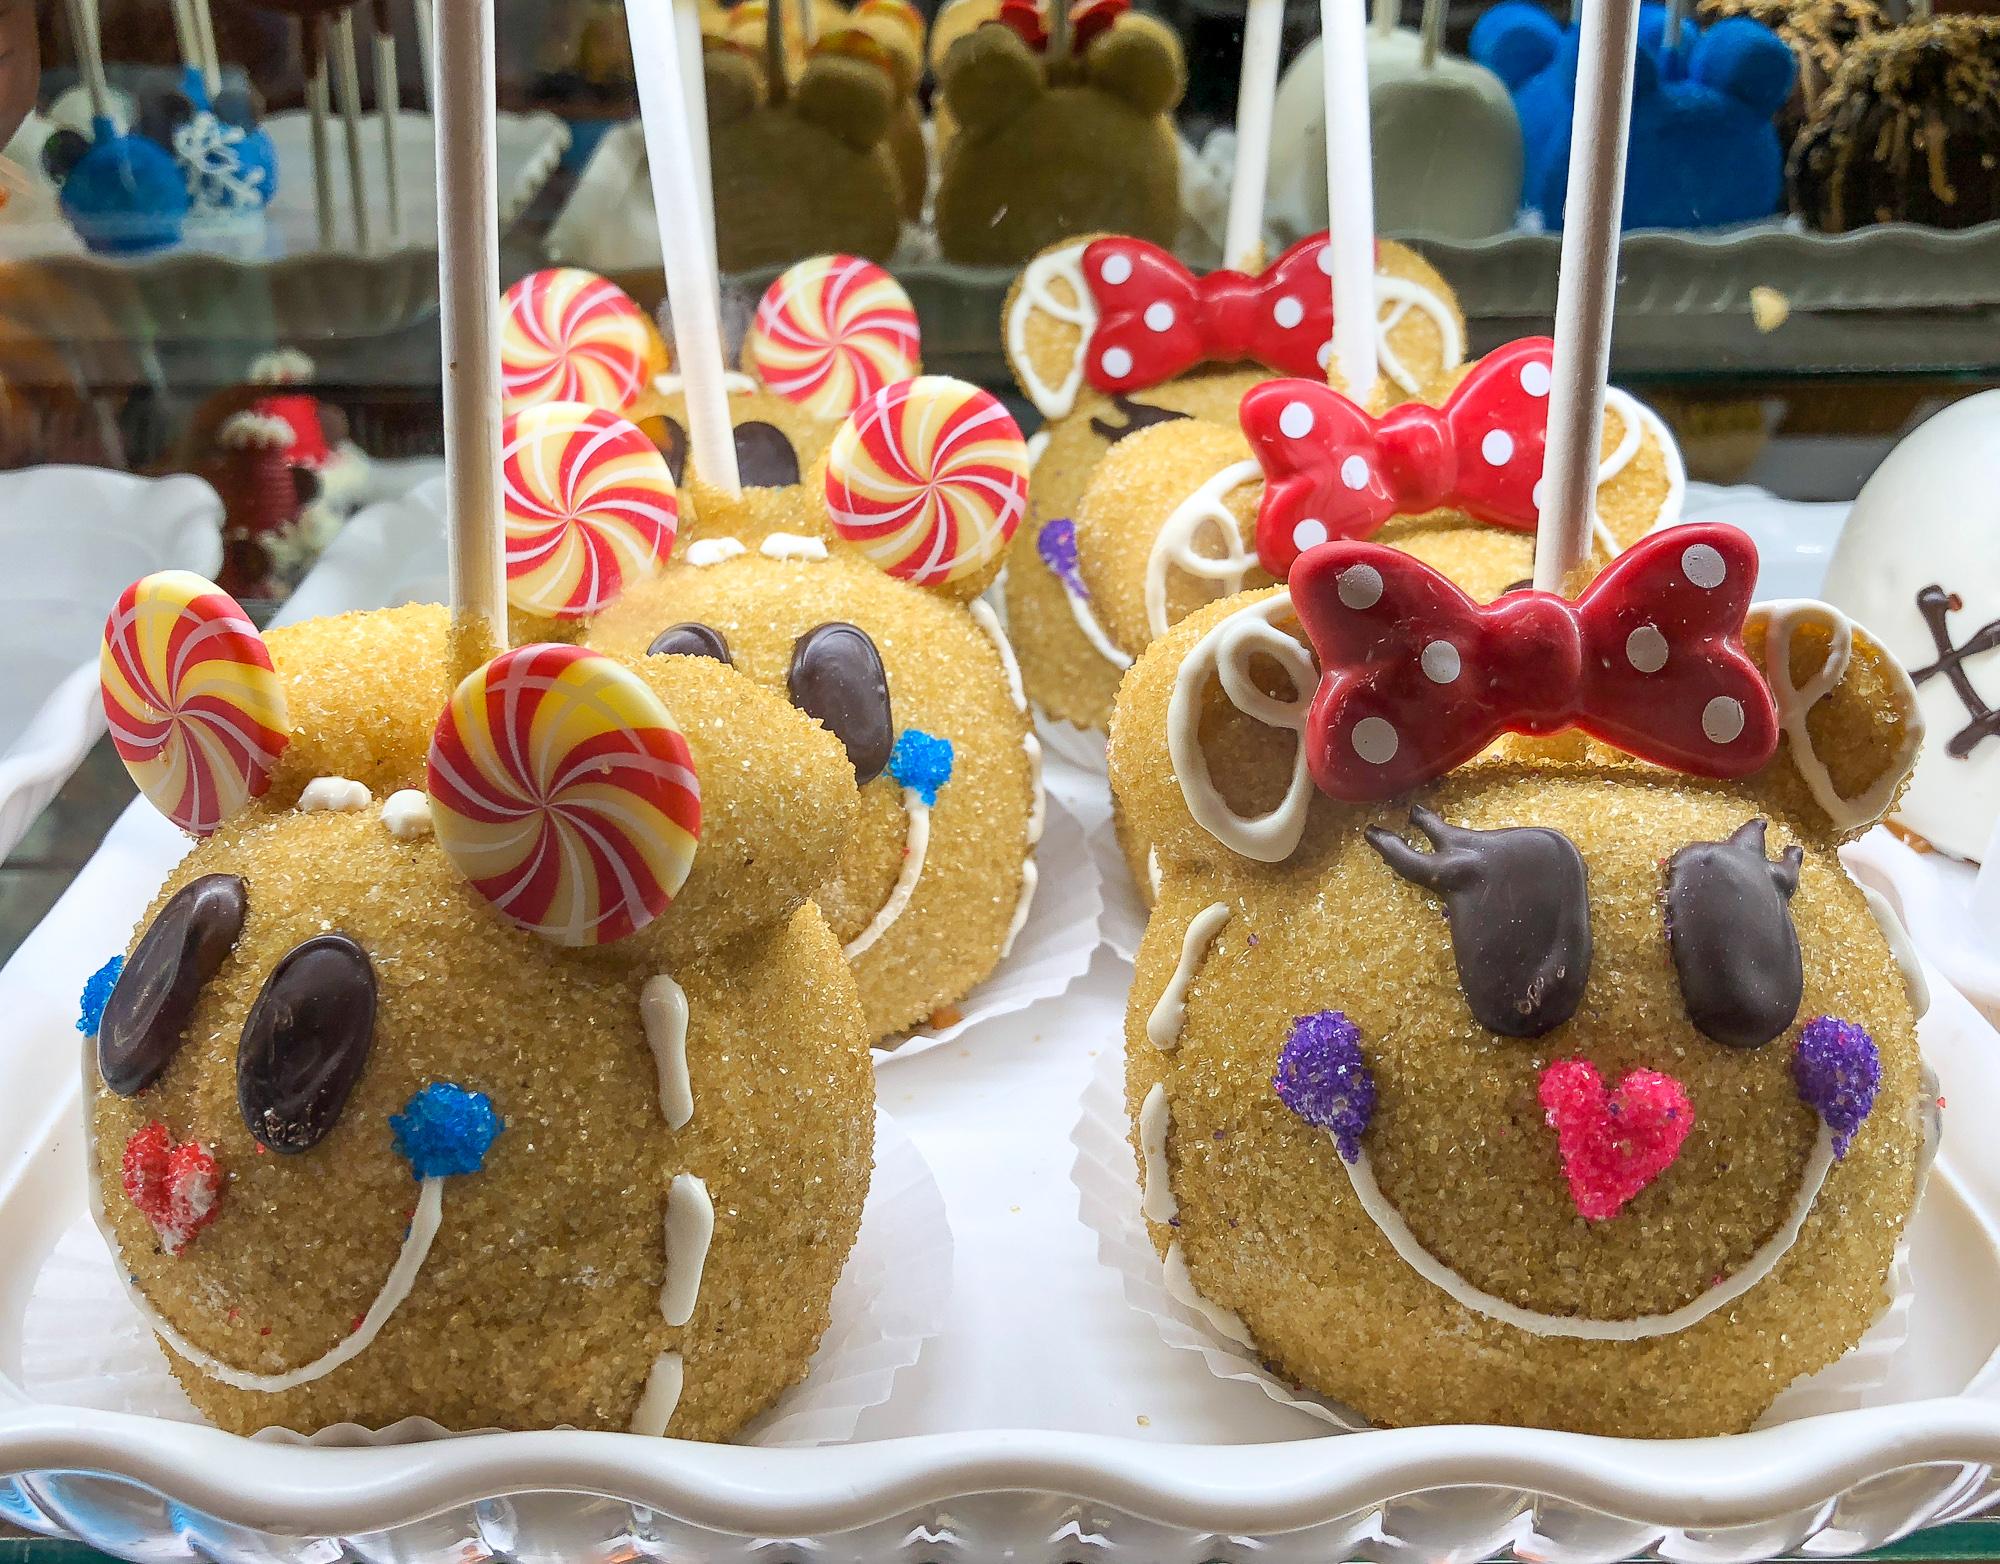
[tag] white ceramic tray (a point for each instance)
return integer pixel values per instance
(1048, 1422)
(73, 538)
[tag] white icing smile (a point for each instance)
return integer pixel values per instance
(915, 848)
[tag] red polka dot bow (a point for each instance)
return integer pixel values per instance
(1087, 18)
(1417, 677)
(1332, 471)
(1156, 319)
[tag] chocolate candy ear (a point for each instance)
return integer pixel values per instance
(672, 440)
(691, 639)
(837, 676)
(62, 152)
(1519, 906)
(305, 1042)
(146, 1017)
(1729, 926)
(765, 458)
(1133, 416)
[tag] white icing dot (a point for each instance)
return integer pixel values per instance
(1354, 472)
(1722, 719)
(1296, 421)
(1360, 586)
(1326, 259)
(1288, 312)
(1117, 363)
(1326, 353)
(333, 795)
(1541, 488)
(1535, 377)
(1310, 533)
(407, 814)
(1440, 662)
(1116, 269)
(1497, 448)
(1159, 315)
(1646, 649)
(1375, 741)
(1704, 566)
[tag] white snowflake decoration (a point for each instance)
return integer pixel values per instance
(217, 179)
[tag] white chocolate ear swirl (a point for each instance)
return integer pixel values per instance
(1205, 510)
(1037, 296)
(1781, 620)
(1225, 651)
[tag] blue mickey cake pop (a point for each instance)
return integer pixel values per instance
(1704, 153)
(122, 193)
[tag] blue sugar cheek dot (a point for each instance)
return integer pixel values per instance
(445, 1130)
(921, 763)
(97, 994)
(1323, 1078)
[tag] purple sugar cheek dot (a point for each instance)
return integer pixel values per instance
(1056, 543)
(1838, 1072)
(446, 1130)
(97, 994)
(1323, 1078)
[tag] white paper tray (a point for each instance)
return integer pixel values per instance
(1047, 1422)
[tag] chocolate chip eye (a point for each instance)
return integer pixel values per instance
(1729, 926)
(147, 1015)
(836, 676)
(305, 1042)
(1519, 906)
(672, 440)
(764, 456)
(1136, 416)
(690, 639)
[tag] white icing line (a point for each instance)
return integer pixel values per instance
(713, 551)
(1781, 620)
(791, 545)
(1031, 876)
(1093, 632)
(1225, 651)
(1035, 296)
(1915, 984)
(690, 1227)
(914, 851)
(1163, 1026)
(334, 795)
(1156, 1198)
(1635, 421)
(663, 1010)
(1153, 870)
(406, 815)
(734, 383)
(983, 616)
(661, 1395)
(1173, 545)
(1180, 1287)
(1641, 1328)
(987, 620)
(1402, 295)
(1038, 442)
(1038, 806)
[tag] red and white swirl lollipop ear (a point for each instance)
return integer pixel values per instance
(831, 332)
(588, 506)
(1050, 317)
(564, 792)
(929, 479)
(196, 710)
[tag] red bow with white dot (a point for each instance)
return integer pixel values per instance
(1156, 319)
(1087, 18)
(1417, 678)
(1332, 471)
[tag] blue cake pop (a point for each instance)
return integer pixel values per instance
(227, 160)
(1704, 151)
(124, 194)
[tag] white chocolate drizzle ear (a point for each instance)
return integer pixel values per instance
(1635, 421)
(1037, 296)
(1225, 651)
(1402, 295)
(1205, 510)
(1781, 620)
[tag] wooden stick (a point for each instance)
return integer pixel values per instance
(1263, 32)
(663, 112)
(91, 60)
(1386, 15)
(1059, 32)
(211, 61)
(1350, 196)
(187, 43)
(777, 86)
(808, 22)
(426, 50)
(389, 110)
(1586, 290)
(312, 47)
(1677, 13)
(347, 81)
(1430, 34)
(694, 82)
(468, 304)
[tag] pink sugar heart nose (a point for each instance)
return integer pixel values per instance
(1614, 1142)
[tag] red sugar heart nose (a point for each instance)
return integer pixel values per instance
(176, 1185)
(1614, 1142)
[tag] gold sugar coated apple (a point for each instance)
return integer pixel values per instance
(1050, 138)
(1110, 336)
(1487, 1072)
(804, 163)
(855, 597)
(828, 333)
(491, 1089)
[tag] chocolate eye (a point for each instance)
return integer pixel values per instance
(147, 1015)
(1729, 926)
(836, 676)
(672, 440)
(764, 456)
(690, 639)
(1519, 906)
(305, 1042)
(1136, 415)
